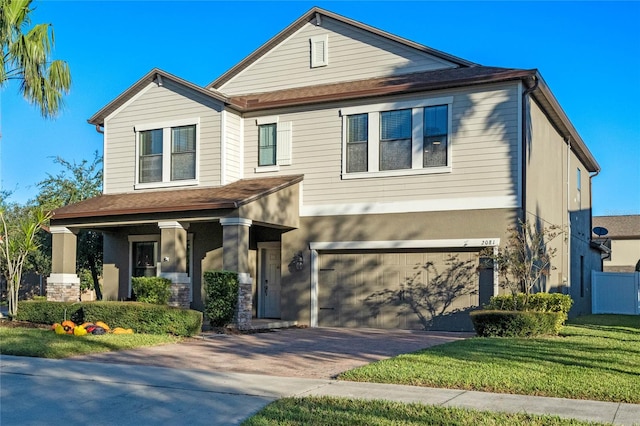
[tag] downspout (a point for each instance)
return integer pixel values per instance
(567, 283)
(523, 166)
(99, 130)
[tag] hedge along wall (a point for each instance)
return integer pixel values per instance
(141, 317)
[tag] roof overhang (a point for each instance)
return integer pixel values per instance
(197, 203)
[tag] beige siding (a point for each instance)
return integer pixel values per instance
(353, 54)
(156, 105)
(233, 147)
(484, 157)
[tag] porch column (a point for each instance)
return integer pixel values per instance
(63, 285)
(173, 262)
(235, 257)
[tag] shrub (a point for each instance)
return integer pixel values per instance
(141, 317)
(516, 323)
(222, 296)
(156, 290)
(539, 302)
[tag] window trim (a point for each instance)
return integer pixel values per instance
(284, 147)
(417, 106)
(166, 127)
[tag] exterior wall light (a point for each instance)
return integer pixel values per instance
(298, 261)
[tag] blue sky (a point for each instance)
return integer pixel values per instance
(587, 52)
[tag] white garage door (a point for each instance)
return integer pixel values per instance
(408, 290)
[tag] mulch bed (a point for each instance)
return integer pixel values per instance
(22, 324)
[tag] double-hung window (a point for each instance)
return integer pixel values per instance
(267, 148)
(274, 144)
(436, 135)
(357, 131)
(397, 138)
(167, 153)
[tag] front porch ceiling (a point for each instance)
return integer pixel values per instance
(271, 201)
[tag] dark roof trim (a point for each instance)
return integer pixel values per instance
(155, 74)
(311, 15)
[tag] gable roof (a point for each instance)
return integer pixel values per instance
(317, 13)
(230, 196)
(619, 227)
(157, 75)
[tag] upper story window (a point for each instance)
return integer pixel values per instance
(399, 138)
(578, 187)
(167, 154)
(267, 148)
(395, 140)
(357, 136)
(436, 135)
(274, 144)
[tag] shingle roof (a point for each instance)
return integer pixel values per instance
(619, 226)
(427, 80)
(224, 197)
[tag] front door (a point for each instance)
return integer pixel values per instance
(269, 296)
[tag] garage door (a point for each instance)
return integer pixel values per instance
(409, 290)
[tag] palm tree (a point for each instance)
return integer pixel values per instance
(25, 57)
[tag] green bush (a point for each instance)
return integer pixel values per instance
(141, 317)
(222, 296)
(516, 323)
(539, 302)
(156, 290)
(44, 312)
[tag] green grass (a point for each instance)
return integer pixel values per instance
(339, 411)
(595, 357)
(46, 344)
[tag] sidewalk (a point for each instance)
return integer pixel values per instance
(135, 394)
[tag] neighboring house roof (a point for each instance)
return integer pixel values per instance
(317, 13)
(619, 227)
(153, 75)
(229, 196)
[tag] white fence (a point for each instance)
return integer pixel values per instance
(615, 293)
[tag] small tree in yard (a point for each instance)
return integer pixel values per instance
(525, 261)
(18, 229)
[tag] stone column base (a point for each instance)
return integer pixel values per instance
(244, 310)
(180, 289)
(63, 288)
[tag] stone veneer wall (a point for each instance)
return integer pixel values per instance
(244, 310)
(63, 292)
(179, 295)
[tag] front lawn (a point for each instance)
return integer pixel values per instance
(46, 344)
(595, 357)
(339, 411)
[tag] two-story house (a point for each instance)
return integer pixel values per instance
(352, 178)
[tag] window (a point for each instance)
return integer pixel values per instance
(436, 128)
(578, 188)
(267, 138)
(151, 156)
(183, 153)
(357, 137)
(395, 140)
(167, 153)
(274, 144)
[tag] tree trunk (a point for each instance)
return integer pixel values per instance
(96, 279)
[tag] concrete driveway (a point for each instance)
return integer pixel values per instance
(320, 353)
